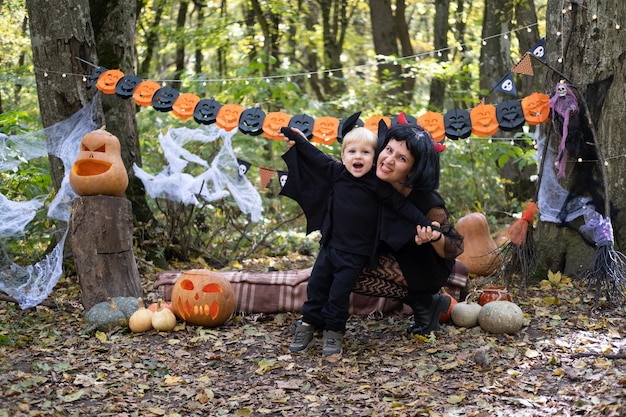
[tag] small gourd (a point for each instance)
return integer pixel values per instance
(499, 317)
(445, 317)
(465, 313)
(141, 320)
(163, 319)
(106, 316)
(481, 254)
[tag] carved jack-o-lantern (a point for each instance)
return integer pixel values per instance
(484, 121)
(457, 124)
(251, 121)
(144, 92)
(108, 80)
(185, 105)
(325, 130)
(228, 116)
(126, 86)
(510, 115)
(203, 298)
(432, 122)
(304, 122)
(99, 169)
(206, 111)
(372, 123)
(164, 98)
(273, 122)
(536, 108)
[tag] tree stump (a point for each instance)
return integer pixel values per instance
(102, 243)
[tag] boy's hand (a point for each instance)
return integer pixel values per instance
(291, 134)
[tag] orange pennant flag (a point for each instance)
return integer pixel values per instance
(524, 66)
(266, 176)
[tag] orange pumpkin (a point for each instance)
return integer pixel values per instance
(185, 105)
(273, 122)
(325, 130)
(481, 254)
(108, 80)
(144, 91)
(536, 108)
(432, 122)
(99, 168)
(372, 123)
(203, 298)
(228, 116)
(445, 317)
(484, 121)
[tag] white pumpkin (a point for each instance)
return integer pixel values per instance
(501, 317)
(465, 314)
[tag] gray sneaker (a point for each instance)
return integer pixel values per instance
(302, 337)
(333, 342)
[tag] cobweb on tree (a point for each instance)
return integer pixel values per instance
(30, 285)
(217, 179)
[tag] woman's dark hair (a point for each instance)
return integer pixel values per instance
(425, 172)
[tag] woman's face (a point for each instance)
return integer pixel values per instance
(395, 163)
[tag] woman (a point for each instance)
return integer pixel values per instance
(409, 162)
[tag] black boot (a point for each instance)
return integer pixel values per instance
(426, 311)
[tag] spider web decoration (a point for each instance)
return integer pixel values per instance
(214, 182)
(30, 285)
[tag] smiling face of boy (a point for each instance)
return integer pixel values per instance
(358, 158)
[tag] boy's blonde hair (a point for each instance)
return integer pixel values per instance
(360, 135)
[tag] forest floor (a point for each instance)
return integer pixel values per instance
(568, 360)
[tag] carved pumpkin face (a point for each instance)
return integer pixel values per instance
(304, 122)
(99, 169)
(251, 121)
(108, 80)
(510, 115)
(185, 105)
(144, 92)
(325, 130)
(164, 98)
(95, 76)
(433, 123)
(484, 121)
(206, 111)
(372, 123)
(273, 122)
(228, 116)
(126, 86)
(457, 124)
(536, 108)
(203, 298)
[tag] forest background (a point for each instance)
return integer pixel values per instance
(317, 58)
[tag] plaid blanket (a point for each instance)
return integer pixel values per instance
(377, 291)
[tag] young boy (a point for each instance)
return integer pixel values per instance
(348, 220)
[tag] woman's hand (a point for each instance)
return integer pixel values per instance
(427, 234)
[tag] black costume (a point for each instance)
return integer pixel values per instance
(347, 212)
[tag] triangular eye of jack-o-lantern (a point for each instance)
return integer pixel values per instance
(484, 121)
(99, 169)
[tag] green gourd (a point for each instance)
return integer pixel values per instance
(106, 316)
(127, 304)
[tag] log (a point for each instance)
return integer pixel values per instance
(101, 239)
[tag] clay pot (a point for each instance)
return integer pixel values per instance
(493, 293)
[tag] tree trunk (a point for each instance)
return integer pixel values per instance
(495, 55)
(592, 55)
(101, 236)
(441, 28)
(61, 33)
(115, 34)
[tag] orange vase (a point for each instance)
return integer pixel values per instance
(493, 293)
